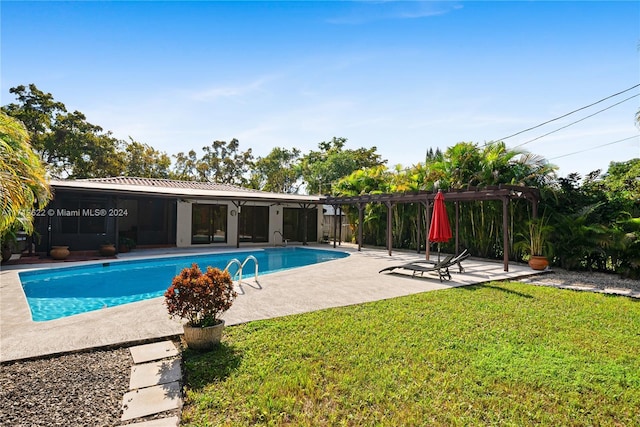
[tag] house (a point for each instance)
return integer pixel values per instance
(161, 212)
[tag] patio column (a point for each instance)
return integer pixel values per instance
(305, 215)
(238, 206)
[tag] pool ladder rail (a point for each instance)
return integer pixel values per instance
(236, 261)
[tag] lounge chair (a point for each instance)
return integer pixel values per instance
(455, 260)
(442, 268)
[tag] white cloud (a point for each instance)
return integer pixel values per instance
(363, 12)
(236, 90)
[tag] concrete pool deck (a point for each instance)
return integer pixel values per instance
(347, 281)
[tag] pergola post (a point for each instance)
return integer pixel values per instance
(335, 223)
(340, 227)
(418, 226)
(361, 207)
(457, 205)
(505, 232)
(427, 249)
(389, 226)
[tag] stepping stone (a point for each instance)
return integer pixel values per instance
(155, 373)
(153, 351)
(151, 400)
(162, 422)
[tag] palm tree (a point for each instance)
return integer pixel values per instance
(23, 182)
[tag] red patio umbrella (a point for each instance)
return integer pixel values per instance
(440, 230)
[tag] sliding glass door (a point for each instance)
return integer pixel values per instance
(208, 224)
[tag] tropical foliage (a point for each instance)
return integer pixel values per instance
(23, 184)
(322, 169)
(591, 225)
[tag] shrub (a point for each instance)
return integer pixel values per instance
(198, 297)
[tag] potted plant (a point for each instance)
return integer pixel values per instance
(536, 243)
(9, 238)
(59, 252)
(6, 240)
(200, 299)
(107, 249)
(125, 244)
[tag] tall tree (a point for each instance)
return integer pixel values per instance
(322, 169)
(76, 148)
(23, 183)
(621, 180)
(222, 162)
(185, 167)
(36, 110)
(278, 172)
(144, 161)
(70, 145)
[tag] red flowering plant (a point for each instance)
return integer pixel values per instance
(199, 297)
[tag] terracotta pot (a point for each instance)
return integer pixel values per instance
(108, 250)
(205, 338)
(59, 252)
(538, 262)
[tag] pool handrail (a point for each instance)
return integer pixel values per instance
(255, 261)
(241, 266)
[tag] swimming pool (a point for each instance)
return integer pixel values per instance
(61, 292)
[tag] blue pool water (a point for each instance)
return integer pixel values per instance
(60, 292)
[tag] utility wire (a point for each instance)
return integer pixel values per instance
(577, 121)
(593, 148)
(565, 115)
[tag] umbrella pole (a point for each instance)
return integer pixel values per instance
(438, 251)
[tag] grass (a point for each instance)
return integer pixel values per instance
(497, 354)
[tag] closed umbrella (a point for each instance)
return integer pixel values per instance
(440, 230)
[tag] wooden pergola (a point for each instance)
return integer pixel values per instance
(504, 193)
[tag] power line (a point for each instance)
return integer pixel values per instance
(577, 121)
(593, 148)
(565, 115)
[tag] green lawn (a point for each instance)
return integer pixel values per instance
(497, 354)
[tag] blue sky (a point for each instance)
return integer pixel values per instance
(401, 76)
